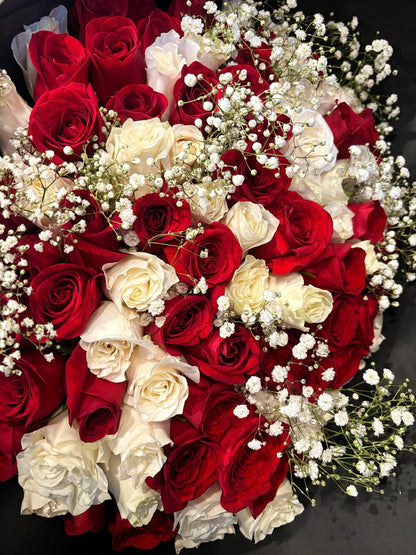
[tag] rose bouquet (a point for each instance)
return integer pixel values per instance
(202, 225)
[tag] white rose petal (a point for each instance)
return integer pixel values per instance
(246, 289)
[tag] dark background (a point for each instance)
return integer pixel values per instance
(338, 525)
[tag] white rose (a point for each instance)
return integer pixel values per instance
(372, 264)
(282, 510)
(158, 389)
(14, 113)
(141, 140)
(136, 502)
(291, 300)
(324, 187)
(188, 143)
(58, 472)
(246, 289)
(203, 520)
(333, 94)
(109, 338)
(251, 223)
(378, 336)
(165, 59)
(342, 219)
(314, 149)
(37, 199)
(316, 304)
(208, 202)
(212, 52)
(137, 280)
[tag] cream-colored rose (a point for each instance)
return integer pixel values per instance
(208, 202)
(316, 304)
(158, 388)
(282, 510)
(135, 142)
(109, 337)
(136, 502)
(55, 22)
(313, 149)
(165, 59)
(203, 520)
(138, 446)
(58, 472)
(213, 51)
(378, 336)
(332, 93)
(38, 199)
(187, 145)
(137, 280)
(14, 113)
(325, 187)
(372, 264)
(251, 224)
(342, 220)
(290, 301)
(246, 289)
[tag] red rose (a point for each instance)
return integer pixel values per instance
(210, 407)
(369, 221)
(159, 529)
(248, 477)
(92, 520)
(65, 295)
(187, 321)
(350, 128)
(190, 469)
(137, 102)
(340, 269)
(97, 244)
(193, 97)
(65, 117)
(261, 55)
(257, 84)
(228, 360)
(93, 402)
(349, 329)
(153, 26)
(223, 256)
(85, 10)
(59, 59)
(262, 187)
(113, 45)
(304, 232)
(10, 436)
(36, 393)
(159, 220)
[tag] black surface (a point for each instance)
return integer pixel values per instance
(338, 525)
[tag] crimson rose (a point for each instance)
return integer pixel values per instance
(65, 295)
(65, 117)
(113, 44)
(92, 520)
(369, 221)
(350, 128)
(137, 102)
(194, 97)
(249, 477)
(187, 321)
(36, 393)
(159, 220)
(58, 59)
(227, 359)
(304, 232)
(153, 26)
(10, 436)
(214, 254)
(190, 469)
(159, 529)
(93, 402)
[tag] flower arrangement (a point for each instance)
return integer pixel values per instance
(202, 225)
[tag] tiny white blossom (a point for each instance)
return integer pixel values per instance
(275, 429)
(253, 384)
(352, 490)
(254, 444)
(279, 374)
(227, 329)
(241, 411)
(371, 377)
(325, 401)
